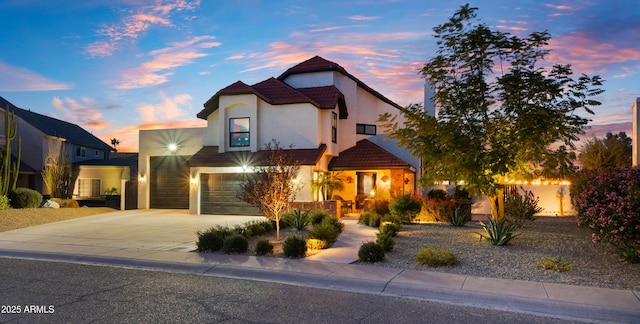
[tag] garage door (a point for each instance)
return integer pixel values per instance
(218, 195)
(169, 182)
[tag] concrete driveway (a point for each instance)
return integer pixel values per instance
(128, 233)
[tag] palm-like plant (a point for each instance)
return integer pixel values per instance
(327, 183)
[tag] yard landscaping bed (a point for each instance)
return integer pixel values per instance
(596, 264)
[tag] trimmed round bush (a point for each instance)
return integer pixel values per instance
(4, 202)
(389, 228)
(325, 231)
(24, 198)
(316, 244)
(436, 257)
(371, 252)
(316, 216)
(386, 241)
(235, 244)
(264, 247)
(209, 241)
(294, 247)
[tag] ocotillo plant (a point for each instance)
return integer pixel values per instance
(8, 169)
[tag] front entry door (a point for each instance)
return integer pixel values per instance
(366, 187)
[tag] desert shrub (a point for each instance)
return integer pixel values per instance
(264, 247)
(299, 220)
(335, 223)
(294, 247)
(436, 257)
(389, 228)
(371, 252)
(4, 202)
(406, 207)
(24, 198)
(69, 203)
(381, 207)
(257, 228)
(364, 218)
(498, 232)
(235, 244)
(436, 209)
(374, 220)
(607, 203)
(437, 194)
(316, 216)
(316, 244)
(209, 241)
(556, 264)
(385, 241)
(325, 231)
(459, 217)
(521, 208)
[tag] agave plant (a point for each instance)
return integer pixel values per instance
(498, 232)
(300, 220)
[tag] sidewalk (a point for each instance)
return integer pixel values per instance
(120, 239)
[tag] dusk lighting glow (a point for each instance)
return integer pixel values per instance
(134, 65)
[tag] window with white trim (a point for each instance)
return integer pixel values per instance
(81, 151)
(366, 129)
(239, 132)
(334, 127)
(89, 187)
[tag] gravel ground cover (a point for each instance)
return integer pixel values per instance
(596, 264)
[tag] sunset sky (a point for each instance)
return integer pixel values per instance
(117, 66)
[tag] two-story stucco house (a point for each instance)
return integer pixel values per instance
(327, 116)
(42, 134)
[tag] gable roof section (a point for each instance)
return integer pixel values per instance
(209, 156)
(276, 92)
(54, 127)
(319, 64)
(366, 155)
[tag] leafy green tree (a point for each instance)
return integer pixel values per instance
(500, 109)
(612, 151)
(272, 187)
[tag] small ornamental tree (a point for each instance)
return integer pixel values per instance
(272, 187)
(59, 174)
(500, 109)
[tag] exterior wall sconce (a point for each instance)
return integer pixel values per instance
(141, 179)
(193, 180)
(172, 147)
(245, 168)
(385, 178)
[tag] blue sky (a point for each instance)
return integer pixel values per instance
(117, 66)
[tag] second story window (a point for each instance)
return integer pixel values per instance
(238, 132)
(334, 128)
(366, 129)
(81, 151)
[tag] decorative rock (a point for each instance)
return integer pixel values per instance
(50, 204)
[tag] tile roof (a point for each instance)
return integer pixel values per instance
(276, 92)
(366, 155)
(54, 127)
(319, 64)
(209, 156)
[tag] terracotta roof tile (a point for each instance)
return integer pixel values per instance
(366, 155)
(319, 64)
(209, 156)
(277, 92)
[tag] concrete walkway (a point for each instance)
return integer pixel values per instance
(161, 239)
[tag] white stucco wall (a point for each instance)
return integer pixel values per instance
(293, 124)
(110, 176)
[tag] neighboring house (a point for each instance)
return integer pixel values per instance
(42, 135)
(326, 115)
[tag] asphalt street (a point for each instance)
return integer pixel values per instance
(53, 292)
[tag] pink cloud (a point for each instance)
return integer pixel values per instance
(157, 70)
(361, 18)
(131, 26)
(83, 112)
(587, 55)
(166, 110)
(14, 78)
